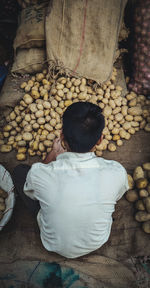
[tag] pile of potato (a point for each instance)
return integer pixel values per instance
(139, 194)
(37, 119)
(3, 196)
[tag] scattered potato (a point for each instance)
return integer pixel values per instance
(140, 205)
(142, 216)
(138, 173)
(45, 101)
(147, 204)
(4, 148)
(141, 183)
(130, 182)
(143, 193)
(146, 227)
(132, 195)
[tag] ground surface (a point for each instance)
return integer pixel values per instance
(119, 263)
(20, 239)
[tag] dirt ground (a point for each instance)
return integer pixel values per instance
(20, 238)
(128, 244)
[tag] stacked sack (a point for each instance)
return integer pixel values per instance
(140, 80)
(29, 44)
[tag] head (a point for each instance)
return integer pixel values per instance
(83, 124)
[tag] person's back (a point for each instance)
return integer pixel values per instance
(77, 192)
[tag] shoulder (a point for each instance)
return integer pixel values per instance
(112, 166)
(38, 168)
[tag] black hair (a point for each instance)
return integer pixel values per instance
(83, 124)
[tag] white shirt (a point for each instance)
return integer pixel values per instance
(77, 195)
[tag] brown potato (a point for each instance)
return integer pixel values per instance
(140, 205)
(143, 193)
(141, 183)
(142, 216)
(138, 173)
(130, 182)
(146, 166)
(146, 227)
(131, 195)
(147, 204)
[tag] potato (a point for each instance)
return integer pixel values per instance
(33, 107)
(138, 173)
(39, 113)
(129, 117)
(147, 127)
(27, 99)
(7, 128)
(27, 136)
(126, 125)
(41, 147)
(21, 143)
(115, 131)
(39, 77)
(112, 147)
(2, 207)
(107, 111)
(22, 150)
(47, 143)
(46, 105)
(135, 111)
(131, 195)
(53, 122)
(48, 127)
(143, 193)
(146, 227)
(142, 216)
(140, 205)
(12, 115)
(21, 156)
(3, 193)
(28, 128)
(54, 103)
(147, 203)
(119, 142)
(130, 182)
(148, 188)
(23, 85)
(141, 183)
(51, 136)
(41, 120)
(146, 166)
(4, 148)
(35, 145)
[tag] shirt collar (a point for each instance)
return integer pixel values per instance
(76, 156)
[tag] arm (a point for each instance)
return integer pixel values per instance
(56, 150)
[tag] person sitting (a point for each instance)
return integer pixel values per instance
(74, 192)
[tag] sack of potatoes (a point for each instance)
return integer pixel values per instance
(37, 119)
(7, 198)
(139, 194)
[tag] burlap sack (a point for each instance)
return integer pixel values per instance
(26, 3)
(82, 35)
(29, 61)
(31, 31)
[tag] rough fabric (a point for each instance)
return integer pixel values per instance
(140, 79)
(82, 36)
(29, 61)
(31, 31)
